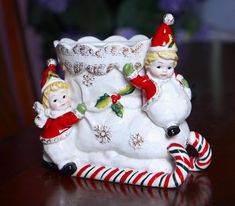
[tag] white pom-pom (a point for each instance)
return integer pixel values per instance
(51, 62)
(168, 19)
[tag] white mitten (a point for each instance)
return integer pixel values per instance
(185, 84)
(38, 107)
(40, 120)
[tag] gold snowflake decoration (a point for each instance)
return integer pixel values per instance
(136, 141)
(103, 134)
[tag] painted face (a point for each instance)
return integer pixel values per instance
(162, 68)
(59, 100)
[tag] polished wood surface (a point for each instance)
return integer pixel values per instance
(210, 70)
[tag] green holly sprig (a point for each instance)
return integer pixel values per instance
(116, 106)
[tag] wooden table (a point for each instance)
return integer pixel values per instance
(210, 68)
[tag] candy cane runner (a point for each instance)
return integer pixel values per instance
(204, 152)
(143, 178)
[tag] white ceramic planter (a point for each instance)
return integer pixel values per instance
(129, 149)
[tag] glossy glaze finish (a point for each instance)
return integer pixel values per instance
(122, 138)
(97, 137)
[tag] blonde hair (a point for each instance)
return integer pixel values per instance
(52, 88)
(153, 55)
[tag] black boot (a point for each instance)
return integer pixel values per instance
(172, 131)
(68, 169)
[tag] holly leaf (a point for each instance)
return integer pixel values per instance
(103, 101)
(128, 89)
(118, 109)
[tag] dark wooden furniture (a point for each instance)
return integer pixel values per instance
(16, 85)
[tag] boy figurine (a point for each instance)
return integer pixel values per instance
(56, 117)
(166, 94)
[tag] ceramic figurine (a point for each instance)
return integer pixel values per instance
(116, 141)
(166, 94)
(56, 117)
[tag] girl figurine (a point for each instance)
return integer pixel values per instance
(56, 117)
(166, 94)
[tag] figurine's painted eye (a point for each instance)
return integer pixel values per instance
(55, 100)
(64, 96)
(159, 67)
(169, 68)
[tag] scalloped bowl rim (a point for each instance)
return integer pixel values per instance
(97, 43)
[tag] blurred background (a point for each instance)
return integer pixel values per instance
(29, 27)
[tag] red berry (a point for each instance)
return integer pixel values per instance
(114, 98)
(118, 96)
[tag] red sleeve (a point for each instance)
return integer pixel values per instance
(139, 81)
(68, 119)
(144, 83)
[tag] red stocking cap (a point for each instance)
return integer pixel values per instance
(49, 75)
(163, 38)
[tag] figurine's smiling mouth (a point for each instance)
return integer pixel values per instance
(64, 104)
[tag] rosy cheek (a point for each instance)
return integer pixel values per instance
(155, 72)
(54, 105)
(67, 101)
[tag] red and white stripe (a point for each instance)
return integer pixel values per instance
(143, 178)
(204, 152)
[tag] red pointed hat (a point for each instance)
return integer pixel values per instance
(163, 38)
(49, 75)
